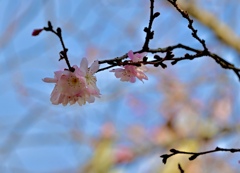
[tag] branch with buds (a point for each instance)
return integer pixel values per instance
(131, 65)
(194, 155)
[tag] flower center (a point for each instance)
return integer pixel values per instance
(74, 82)
(127, 73)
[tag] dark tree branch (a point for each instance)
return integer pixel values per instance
(190, 55)
(205, 52)
(105, 68)
(148, 30)
(190, 24)
(63, 53)
(221, 30)
(180, 168)
(194, 155)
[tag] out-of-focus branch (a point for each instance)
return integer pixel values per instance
(220, 29)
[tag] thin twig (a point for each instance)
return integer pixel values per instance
(63, 53)
(148, 30)
(194, 155)
(180, 168)
(190, 24)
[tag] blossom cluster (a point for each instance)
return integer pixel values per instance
(77, 86)
(131, 72)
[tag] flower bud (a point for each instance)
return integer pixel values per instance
(36, 32)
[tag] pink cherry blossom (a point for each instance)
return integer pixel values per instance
(136, 57)
(131, 72)
(78, 86)
(88, 73)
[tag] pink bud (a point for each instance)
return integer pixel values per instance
(36, 32)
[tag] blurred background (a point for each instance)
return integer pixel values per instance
(191, 106)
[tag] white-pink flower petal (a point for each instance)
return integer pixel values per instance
(84, 65)
(94, 67)
(49, 80)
